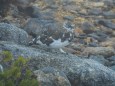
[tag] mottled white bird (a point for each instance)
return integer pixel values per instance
(56, 38)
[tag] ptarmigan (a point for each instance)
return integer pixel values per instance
(56, 38)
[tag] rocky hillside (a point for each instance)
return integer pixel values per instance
(90, 58)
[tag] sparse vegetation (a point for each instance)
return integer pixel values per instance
(16, 71)
(4, 6)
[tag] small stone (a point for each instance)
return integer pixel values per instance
(109, 15)
(109, 3)
(95, 11)
(77, 46)
(88, 27)
(69, 17)
(98, 35)
(107, 23)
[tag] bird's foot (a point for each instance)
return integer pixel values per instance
(62, 51)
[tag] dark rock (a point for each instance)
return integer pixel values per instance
(109, 3)
(33, 11)
(112, 58)
(51, 77)
(109, 14)
(107, 23)
(95, 11)
(9, 32)
(37, 12)
(80, 72)
(14, 10)
(98, 35)
(101, 34)
(95, 36)
(100, 59)
(87, 27)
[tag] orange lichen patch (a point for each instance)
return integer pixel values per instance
(78, 53)
(78, 31)
(88, 40)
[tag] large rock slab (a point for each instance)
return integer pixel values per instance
(104, 51)
(51, 77)
(9, 32)
(79, 71)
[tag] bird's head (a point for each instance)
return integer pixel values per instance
(68, 26)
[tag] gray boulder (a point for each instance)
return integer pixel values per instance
(51, 77)
(88, 27)
(9, 32)
(34, 26)
(79, 71)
